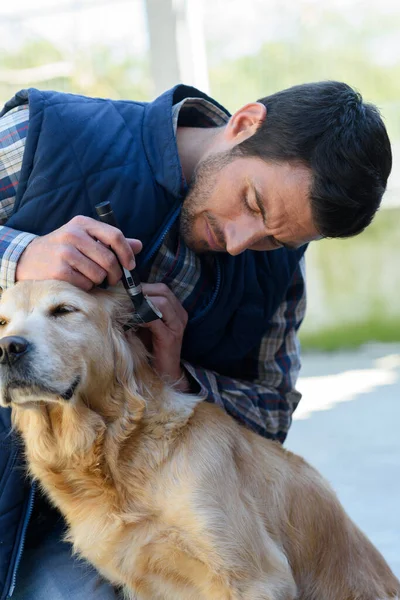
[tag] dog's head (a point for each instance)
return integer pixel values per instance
(58, 342)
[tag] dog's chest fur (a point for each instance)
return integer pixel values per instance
(116, 527)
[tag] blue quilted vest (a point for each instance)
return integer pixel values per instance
(81, 151)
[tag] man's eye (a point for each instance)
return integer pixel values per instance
(62, 309)
(249, 208)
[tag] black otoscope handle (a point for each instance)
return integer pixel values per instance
(145, 309)
(106, 214)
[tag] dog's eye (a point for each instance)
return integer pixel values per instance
(3, 322)
(62, 309)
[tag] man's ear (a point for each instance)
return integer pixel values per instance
(245, 122)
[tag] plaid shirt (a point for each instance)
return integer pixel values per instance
(265, 404)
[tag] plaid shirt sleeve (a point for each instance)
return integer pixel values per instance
(13, 130)
(266, 404)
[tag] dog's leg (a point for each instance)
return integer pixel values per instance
(277, 587)
(330, 557)
(270, 579)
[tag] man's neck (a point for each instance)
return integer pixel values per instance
(194, 143)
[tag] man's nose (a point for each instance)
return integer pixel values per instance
(241, 235)
(12, 348)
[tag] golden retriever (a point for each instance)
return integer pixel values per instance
(167, 496)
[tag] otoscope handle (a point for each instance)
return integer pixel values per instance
(106, 213)
(145, 309)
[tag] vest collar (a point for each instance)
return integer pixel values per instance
(159, 138)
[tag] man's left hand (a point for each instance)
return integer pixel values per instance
(167, 334)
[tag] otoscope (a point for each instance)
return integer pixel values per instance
(145, 311)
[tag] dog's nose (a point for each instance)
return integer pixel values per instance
(12, 348)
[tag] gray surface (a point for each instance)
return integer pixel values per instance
(355, 443)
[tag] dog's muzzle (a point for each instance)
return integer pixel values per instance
(16, 373)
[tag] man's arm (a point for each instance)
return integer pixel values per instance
(12, 245)
(265, 404)
(70, 253)
(13, 131)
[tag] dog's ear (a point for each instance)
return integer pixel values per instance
(130, 354)
(117, 304)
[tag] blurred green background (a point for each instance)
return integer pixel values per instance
(242, 51)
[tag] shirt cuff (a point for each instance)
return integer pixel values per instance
(195, 385)
(11, 257)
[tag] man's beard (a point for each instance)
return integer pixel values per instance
(200, 190)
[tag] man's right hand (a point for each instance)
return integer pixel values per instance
(72, 253)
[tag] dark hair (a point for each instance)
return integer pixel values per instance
(327, 127)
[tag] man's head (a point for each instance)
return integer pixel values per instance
(308, 162)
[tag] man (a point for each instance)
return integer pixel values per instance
(209, 196)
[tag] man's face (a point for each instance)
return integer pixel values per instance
(235, 204)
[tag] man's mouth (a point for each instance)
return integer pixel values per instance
(212, 243)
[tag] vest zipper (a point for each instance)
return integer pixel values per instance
(150, 253)
(22, 542)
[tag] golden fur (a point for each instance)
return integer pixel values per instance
(165, 494)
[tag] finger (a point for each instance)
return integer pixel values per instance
(100, 255)
(158, 328)
(75, 278)
(109, 236)
(119, 244)
(157, 289)
(81, 281)
(175, 321)
(167, 309)
(160, 289)
(83, 265)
